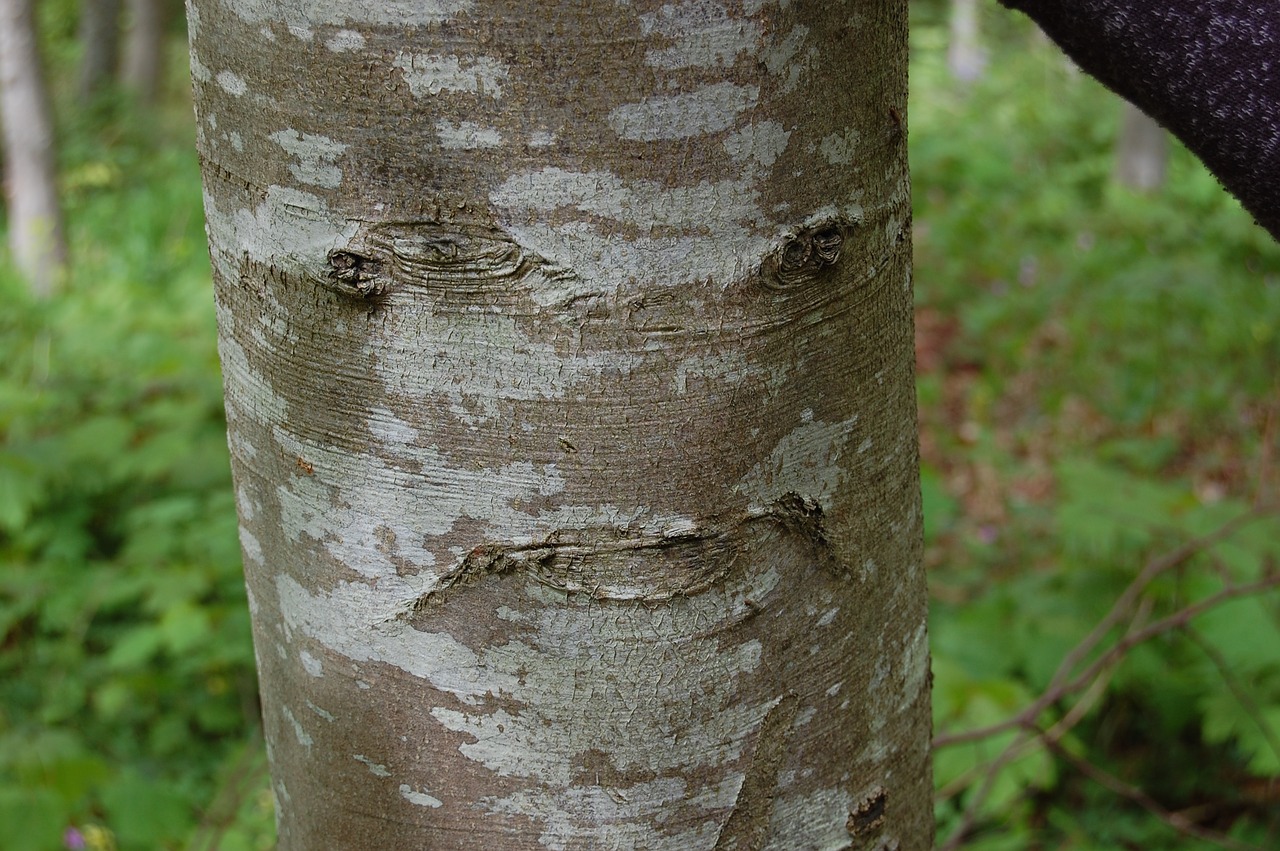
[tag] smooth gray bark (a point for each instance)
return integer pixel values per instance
(568, 359)
(35, 219)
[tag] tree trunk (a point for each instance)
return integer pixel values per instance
(965, 57)
(35, 219)
(568, 361)
(100, 43)
(1142, 151)
(144, 48)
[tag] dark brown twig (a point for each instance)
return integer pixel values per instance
(1174, 820)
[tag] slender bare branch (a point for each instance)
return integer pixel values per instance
(1174, 820)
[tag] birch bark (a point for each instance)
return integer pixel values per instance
(568, 360)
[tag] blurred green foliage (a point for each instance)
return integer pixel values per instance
(1098, 382)
(128, 705)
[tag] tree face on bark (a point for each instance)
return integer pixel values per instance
(569, 385)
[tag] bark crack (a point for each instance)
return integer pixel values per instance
(619, 565)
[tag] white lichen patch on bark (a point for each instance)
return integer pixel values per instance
(571, 219)
(250, 547)
(727, 368)
(290, 228)
(323, 713)
(703, 33)
(707, 110)
(345, 40)
(814, 820)
(375, 768)
(199, 71)
(337, 12)
(915, 667)
(784, 57)
(466, 135)
(428, 74)
(316, 157)
(762, 143)
(418, 797)
(353, 621)
(635, 818)
(839, 148)
(260, 396)
(311, 664)
(806, 461)
(232, 83)
(557, 699)
(516, 368)
(372, 529)
(303, 737)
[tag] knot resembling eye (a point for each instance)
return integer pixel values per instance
(826, 244)
(360, 274)
(795, 253)
(804, 255)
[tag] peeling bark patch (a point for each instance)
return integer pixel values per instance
(748, 824)
(706, 110)
(868, 814)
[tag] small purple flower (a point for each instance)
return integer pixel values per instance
(72, 838)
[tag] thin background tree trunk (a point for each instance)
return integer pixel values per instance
(966, 58)
(568, 359)
(100, 46)
(144, 47)
(35, 218)
(1142, 151)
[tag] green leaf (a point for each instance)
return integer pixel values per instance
(145, 813)
(20, 491)
(32, 819)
